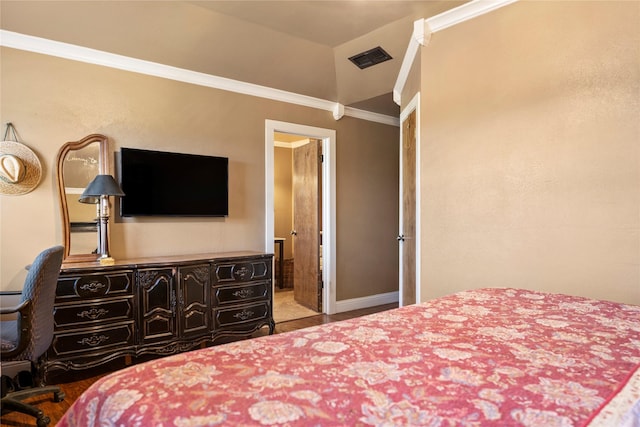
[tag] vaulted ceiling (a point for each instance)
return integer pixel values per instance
(296, 46)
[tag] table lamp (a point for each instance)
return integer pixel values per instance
(101, 188)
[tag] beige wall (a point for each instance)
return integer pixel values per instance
(52, 101)
(283, 197)
(530, 155)
(367, 174)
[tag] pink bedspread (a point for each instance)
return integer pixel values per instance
(483, 357)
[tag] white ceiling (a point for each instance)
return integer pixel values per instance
(296, 46)
(330, 23)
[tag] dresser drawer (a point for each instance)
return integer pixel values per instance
(94, 339)
(245, 271)
(236, 293)
(82, 286)
(82, 314)
(241, 314)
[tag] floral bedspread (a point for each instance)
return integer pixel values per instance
(475, 358)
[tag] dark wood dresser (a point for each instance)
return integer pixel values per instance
(157, 306)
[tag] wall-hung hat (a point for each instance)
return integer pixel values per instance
(20, 168)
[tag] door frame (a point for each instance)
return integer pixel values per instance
(328, 138)
(413, 105)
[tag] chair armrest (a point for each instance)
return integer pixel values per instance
(24, 328)
(20, 308)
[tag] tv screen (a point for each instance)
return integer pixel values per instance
(157, 183)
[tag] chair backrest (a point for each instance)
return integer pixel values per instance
(40, 288)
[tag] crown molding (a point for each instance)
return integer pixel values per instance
(464, 13)
(422, 32)
(97, 57)
(424, 28)
(372, 117)
(420, 37)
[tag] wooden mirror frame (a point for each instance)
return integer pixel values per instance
(103, 168)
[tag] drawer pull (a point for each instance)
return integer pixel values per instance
(243, 293)
(242, 272)
(244, 315)
(93, 314)
(94, 340)
(92, 286)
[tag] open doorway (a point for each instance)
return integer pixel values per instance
(300, 218)
(297, 226)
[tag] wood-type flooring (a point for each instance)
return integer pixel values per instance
(74, 383)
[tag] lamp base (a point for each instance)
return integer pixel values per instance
(107, 261)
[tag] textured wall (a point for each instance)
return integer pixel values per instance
(530, 151)
(368, 174)
(52, 101)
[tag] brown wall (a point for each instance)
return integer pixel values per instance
(367, 174)
(52, 101)
(530, 154)
(283, 197)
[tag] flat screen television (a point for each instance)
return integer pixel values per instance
(158, 183)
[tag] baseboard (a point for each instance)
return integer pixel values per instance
(366, 302)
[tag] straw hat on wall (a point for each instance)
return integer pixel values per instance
(20, 168)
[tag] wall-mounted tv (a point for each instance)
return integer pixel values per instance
(158, 183)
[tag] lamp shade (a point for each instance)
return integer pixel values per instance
(102, 185)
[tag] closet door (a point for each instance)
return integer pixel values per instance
(407, 236)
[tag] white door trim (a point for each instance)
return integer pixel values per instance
(328, 137)
(414, 105)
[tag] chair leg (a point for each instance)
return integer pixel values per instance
(13, 402)
(24, 408)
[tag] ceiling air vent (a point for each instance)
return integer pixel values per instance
(371, 57)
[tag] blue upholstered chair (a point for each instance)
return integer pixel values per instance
(25, 338)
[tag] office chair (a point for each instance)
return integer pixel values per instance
(25, 339)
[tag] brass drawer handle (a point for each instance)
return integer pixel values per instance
(93, 314)
(243, 293)
(92, 286)
(242, 272)
(244, 315)
(94, 340)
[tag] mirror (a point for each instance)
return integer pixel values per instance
(78, 163)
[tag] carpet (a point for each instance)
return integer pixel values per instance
(286, 308)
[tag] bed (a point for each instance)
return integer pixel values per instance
(475, 358)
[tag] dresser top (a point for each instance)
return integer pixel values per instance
(161, 260)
